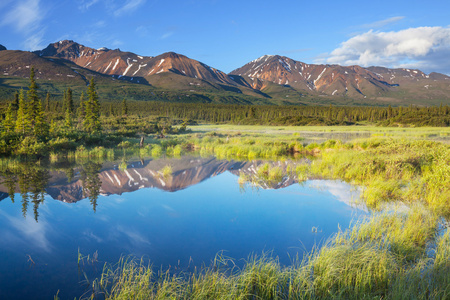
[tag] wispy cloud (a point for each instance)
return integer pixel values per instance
(135, 237)
(142, 30)
(27, 229)
(24, 15)
(425, 48)
(99, 24)
(382, 23)
(86, 4)
(26, 18)
(128, 7)
(35, 40)
(166, 35)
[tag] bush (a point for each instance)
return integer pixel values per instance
(31, 146)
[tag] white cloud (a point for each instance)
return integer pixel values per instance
(26, 229)
(130, 6)
(26, 18)
(382, 23)
(35, 40)
(425, 48)
(85, 4)
(166, 35)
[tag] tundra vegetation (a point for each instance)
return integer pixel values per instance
(401, 252)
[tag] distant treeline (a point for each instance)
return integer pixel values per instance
(287, 115)
(264, 114)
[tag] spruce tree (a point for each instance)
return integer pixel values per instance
(81, 111)
(15, 104)
(34, 114)
(390, 112)
(64, 101)
(124, 108)
(53, 127)
(68, 118)
(40, 125)
(47, 102)
(8, 122)
(22, 121)
(92, 110)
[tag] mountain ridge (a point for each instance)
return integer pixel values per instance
(353, 81)
(120, 63)
(269, 79)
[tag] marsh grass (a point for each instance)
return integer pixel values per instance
(156, 151)
(166, 171)
(392, 170)
(386, 256)
(237, 146)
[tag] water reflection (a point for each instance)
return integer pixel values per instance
(183, 217)
(32, 181)
(72, 182)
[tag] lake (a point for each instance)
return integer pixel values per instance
(51, 215)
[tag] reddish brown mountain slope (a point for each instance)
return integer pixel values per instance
(15, 63)
(353, 81)
(119, 63)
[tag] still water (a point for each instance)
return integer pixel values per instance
(181, 220)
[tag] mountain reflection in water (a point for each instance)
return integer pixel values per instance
(73, 183)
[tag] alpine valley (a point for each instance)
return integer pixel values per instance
(270, 79)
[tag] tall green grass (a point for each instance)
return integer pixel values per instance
(392, 170)
(378, 258)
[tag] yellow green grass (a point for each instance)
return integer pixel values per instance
(375, 130)
(395, 255)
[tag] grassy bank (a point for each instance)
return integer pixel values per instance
(395, 255)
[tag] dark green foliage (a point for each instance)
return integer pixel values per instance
(124, 108)
(91, 182)
(91, 121)
(47, 102)
(16, 101)
(291, 115)
(22, 123)
(8, 122)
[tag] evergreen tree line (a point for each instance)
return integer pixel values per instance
(25, 116)
(286, 115)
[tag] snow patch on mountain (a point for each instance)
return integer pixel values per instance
(115, 65)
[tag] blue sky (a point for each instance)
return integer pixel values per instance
(228, 34)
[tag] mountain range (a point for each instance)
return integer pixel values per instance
(270, 79)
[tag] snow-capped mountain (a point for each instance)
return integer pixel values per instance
(331, 80)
